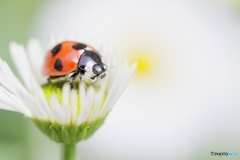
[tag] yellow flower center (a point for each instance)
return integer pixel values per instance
(144, 64)
(147, 65)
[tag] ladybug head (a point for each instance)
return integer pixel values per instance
(99, 69)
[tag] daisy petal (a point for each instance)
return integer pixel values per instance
(41, 100)
(56, 110)
(86, 99)
(4, 106)
(21, 62)
(10, 80)
(36, 57)
(13, 101)
(74, 106)
(65, 94)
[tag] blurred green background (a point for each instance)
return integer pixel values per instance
(16, 17)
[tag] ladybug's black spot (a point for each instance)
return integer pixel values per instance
(56, 49)
(58, 65)
(79, 46)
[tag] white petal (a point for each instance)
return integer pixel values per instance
(65, 94)
(6, 107)
(31, 103)
(41, 99)
(121, 80)
(124, 81)
(74, 106)
(13, 101)
(10, 80)
(36, 56)
(100, 96)
(57, 110)
(82, 96)
(6, 103)
(21, 62)
(7, 82)
(112, 91)
(87, 106)
(66, 111)
(112, 76)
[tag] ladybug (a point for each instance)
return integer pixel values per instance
(74, 58)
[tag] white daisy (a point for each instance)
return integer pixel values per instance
(66, 115)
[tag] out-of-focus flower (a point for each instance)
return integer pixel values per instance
(66, 115)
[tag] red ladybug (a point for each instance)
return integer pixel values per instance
(76, 58)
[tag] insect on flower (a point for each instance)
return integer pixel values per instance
(67, 115)
(73, 59)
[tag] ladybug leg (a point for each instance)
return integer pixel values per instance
(81, 76)
(50, 78)
(73, 77)
(103, 75)
(94, 77)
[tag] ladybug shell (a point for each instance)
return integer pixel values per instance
(63, 58)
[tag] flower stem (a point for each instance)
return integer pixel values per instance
(69, 151)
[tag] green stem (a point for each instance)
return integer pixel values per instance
(69, 151)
